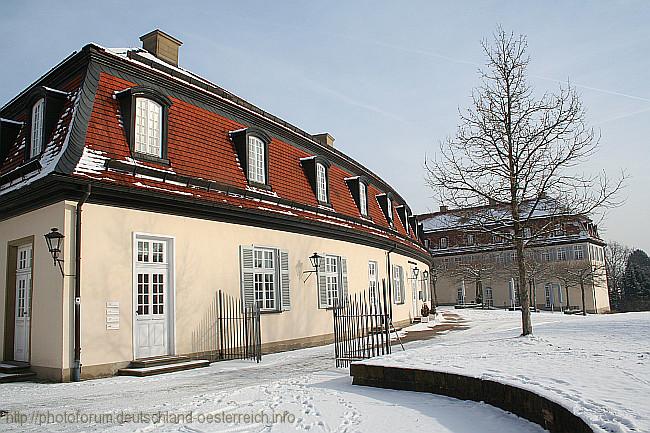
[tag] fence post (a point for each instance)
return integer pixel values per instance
(386, 321)
(220, 325)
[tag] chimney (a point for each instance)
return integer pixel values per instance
(162, 45)
(325, 139)
(443, 208)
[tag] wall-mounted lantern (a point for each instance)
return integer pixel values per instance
(314, 259)
(54, 239)
(415, 273)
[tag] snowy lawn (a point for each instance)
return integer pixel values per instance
(303, 383)
(596, 366)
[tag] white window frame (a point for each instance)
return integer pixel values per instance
(469, 240)
(148, 139)
(363, 199)
(331, 273)
(389, 210)
(578, 252)
(265, 298)
(256, 151)
(546, 256)
(321, 182)
(527, 233)
(38, 117)
(373, 282)
(561, 254)
(398, 289)
(444, 243)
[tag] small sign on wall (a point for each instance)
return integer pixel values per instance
(112, 315)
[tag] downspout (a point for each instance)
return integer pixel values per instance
(390, 280)
(76, 367)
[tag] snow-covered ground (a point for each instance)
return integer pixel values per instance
(304, 383)
(596, 366)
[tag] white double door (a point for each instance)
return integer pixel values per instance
(151, 289)
(22, 310)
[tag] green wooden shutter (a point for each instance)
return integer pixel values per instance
(401, 285)
(285, 295)
(343, 271)
(247, 271)
(322, 284)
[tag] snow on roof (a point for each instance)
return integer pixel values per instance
(3, 120)
(466, 217)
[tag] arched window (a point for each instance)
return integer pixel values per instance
(321, 182)
(148, 127)
(256, 160)
(38, 112)
(363, 199)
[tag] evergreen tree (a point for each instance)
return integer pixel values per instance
(636, 281)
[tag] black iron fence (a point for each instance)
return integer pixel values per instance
(362, 326)
(228, 331)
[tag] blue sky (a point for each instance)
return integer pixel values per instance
(386, 79)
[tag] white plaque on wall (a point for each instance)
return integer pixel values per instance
(112, 315)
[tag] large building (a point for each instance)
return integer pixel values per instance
(166, 189)
(473, 264)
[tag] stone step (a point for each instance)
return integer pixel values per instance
(164, 368)
(157, 360)
(13, 366)
(16, 377)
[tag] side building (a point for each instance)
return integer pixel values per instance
(167, 188)
(564, 258)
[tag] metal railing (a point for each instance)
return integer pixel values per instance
(228, 331)
(362, 326)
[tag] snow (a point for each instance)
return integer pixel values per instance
(52, 153)
(598, 367)
(13, 122)
(303, 383)
(91, 162)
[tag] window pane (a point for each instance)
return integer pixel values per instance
(256, 163)
(37, 128)
(321, 182)
(363, 199)
(148, 127)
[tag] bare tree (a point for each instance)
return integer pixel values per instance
(476, 270)
(616, 256)
(518, 154)
(580, 273)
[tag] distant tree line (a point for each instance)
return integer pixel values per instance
(628, 278)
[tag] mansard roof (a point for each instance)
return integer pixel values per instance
(89, 145)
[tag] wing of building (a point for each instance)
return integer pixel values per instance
(168, 188)
(474, 259)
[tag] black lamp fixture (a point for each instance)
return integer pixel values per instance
(425, 275)
(314, 259)
(54, 239)
(415, 273)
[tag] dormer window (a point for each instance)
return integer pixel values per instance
(252, 146)
(386, 204)
(321, 182)
(148, 127)
(43, 111)
(403, 212)
(363, 199)
(145, 113)
(444, 243)
(358, 187)
(316, 170)
(36, 143)
(256, 160)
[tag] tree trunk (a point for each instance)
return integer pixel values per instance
(582, 289)
(568, 304)
(524, 300)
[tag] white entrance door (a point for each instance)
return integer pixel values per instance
(151, 298)
(23, 302)
(414, 295)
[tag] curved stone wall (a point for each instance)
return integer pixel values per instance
(524, 403)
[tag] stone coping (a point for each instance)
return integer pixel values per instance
(524, 403)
